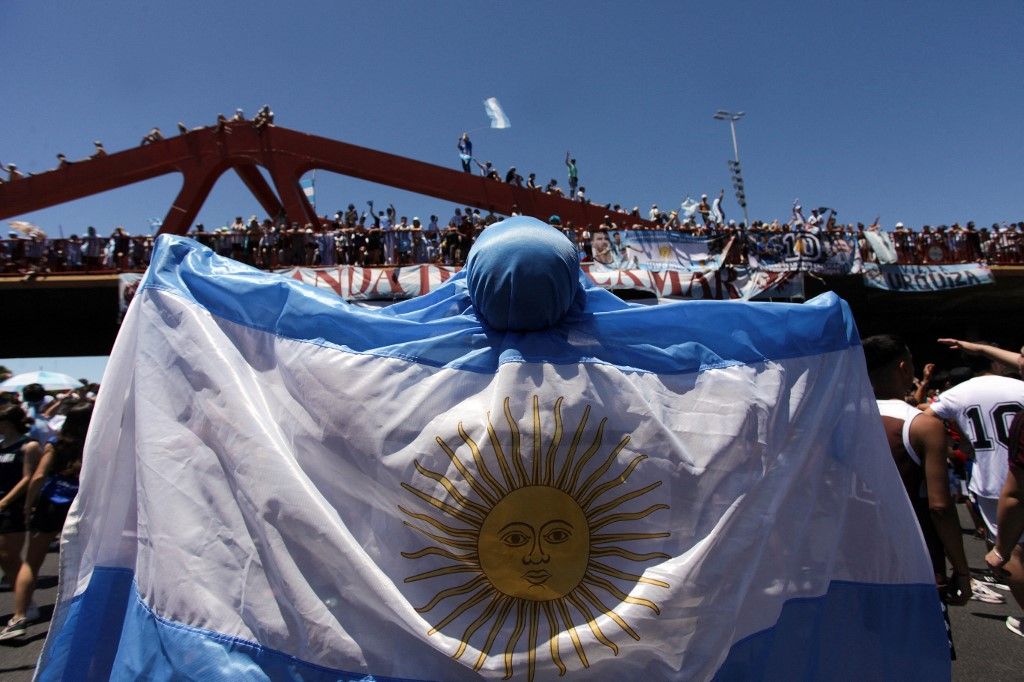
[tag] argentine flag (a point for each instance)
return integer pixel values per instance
(514, 476)
(309, 188)
(496, 114)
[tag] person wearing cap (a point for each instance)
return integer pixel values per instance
(555, 221)
(704, 208)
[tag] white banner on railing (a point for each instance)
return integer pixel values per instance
(382, 284)
(926, 277)
(722, 284)
(657, 250)
(354, 283)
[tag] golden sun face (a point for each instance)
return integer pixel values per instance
(531, 533)
(535, 544)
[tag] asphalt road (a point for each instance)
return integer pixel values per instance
(986, 650)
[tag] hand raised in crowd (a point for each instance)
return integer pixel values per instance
(965, 346)
(927, 372)
(1006, 357)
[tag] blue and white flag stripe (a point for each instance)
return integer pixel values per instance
(309, 188)
(256, 498)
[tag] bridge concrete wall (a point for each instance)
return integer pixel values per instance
(79, 315)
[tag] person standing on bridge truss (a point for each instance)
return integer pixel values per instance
(465, 147)
(574, 174)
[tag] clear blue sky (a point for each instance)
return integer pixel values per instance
(910, 110)
(907, 110)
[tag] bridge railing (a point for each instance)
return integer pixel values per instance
(407, 247)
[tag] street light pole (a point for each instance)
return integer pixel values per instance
(735, 146)
(732, 117)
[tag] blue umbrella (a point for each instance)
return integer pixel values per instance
(51, 381)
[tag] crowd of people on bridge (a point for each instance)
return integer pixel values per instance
(381, 237)
(264, 117)
(384, 238)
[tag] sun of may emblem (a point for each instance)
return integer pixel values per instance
(533, 535)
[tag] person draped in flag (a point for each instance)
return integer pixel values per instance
(517, 474)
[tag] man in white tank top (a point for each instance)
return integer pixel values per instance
(919, 448)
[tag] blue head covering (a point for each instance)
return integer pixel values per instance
(523, 275)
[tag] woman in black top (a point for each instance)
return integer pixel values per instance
(19, 456)
(50, 491)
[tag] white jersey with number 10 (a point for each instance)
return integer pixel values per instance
(983, 408)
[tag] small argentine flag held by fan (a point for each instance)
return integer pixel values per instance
(309, 188)
(496, 114)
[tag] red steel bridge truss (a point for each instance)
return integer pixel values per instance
(202, 156)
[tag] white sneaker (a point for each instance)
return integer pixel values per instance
(17, 628)
(983, 593)
(1012, 624)
(989, 580)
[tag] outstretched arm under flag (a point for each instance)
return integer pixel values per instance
(496, 114)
